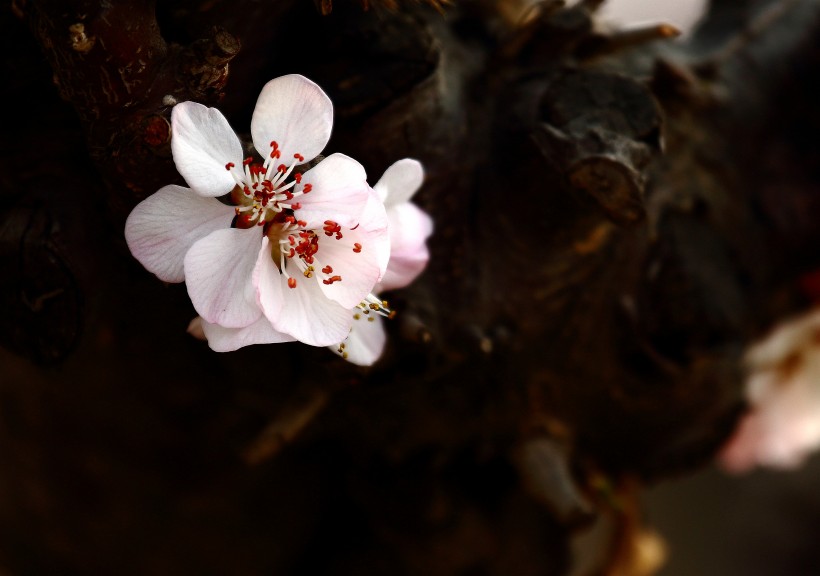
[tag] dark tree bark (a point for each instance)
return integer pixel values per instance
(617, 217)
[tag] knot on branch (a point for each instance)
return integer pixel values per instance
(204, 64)
(602, 130)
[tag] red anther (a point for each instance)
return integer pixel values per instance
(291, 282)
(282, 168)
(267, 185)
(332, 279)
(247, 161)
(338, 235)
(275, 154)
(229, 165)
(292, 253)
(290, 219)
(297, 177)
(299, 157)
(331, 228)
(288, 195)
(292, 240)
(295, 206)
(245, 220)
(247, 190)
(327, 269)
(301, 223)
(307, 188)
(357, 247)
(273, 144)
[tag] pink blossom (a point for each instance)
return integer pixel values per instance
(294, 252)
(409, 228)
(783, 390)
(409, 225)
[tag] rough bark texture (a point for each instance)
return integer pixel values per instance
(616, 218)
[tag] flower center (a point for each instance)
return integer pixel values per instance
(296, 249)
(264, 197)
(262, 190)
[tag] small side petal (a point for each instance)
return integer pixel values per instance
(295, 113)
(222, 339)
(375, 221)
(203, 143)
(409, 229)
(366, 341)
(339, 192)
(400, 182)
(218, 273)
(310, 317)
(164, 226)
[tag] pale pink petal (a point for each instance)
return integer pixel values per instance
(400, 182)
(268, 282)
(164, 226)
(339, 192)
(766, 439)
(376, 221)
(310, 317)
(195, 328)
(682, 14)
(366, 341)
(740, 453)
(782, 427)
(359, 269)
(296, 114)
(218, 273)
(409, 229)
(203, 143)
(222, 339)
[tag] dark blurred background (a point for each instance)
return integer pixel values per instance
(764, 523)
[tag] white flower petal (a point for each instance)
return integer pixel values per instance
(218, 273)
(409, 229)
(366, 341)
(400, 182)
(203, 143)
(359, 270)
(339, 192)
(268, 282)
(376, 221)
(310, 317)
(222, 339)
(164, 226)
(295, 113)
